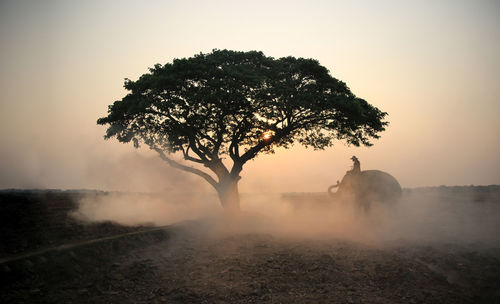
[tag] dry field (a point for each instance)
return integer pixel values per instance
(449, 254)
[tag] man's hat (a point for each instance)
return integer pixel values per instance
(354, 157)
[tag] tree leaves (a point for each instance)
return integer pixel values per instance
(221, 103)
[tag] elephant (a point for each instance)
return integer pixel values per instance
(367, 187)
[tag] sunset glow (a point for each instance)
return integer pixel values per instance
(223, 151)
(433, 66)
(267, 135)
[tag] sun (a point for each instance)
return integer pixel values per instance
(267, 135)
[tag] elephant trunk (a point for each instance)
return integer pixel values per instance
(331, 192)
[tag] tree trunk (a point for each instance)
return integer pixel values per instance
(229, 195)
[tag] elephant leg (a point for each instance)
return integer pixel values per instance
(363, 201)
(364, 204)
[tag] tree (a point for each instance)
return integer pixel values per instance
(238, 104)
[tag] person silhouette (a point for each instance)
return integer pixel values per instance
(356, 167)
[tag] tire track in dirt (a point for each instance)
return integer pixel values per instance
(69, 246)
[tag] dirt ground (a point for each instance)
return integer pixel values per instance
(186, 263)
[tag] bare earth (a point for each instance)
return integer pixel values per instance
(184, 264)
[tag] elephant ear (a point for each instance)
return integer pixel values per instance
(382, 186)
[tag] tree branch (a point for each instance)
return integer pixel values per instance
(220, 135)
(254, 150)
(193, 145)
(185, 152)
(250, 153)
(218, 168)
(177, 165)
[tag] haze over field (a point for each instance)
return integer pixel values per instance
(463, 216)
(432, 65)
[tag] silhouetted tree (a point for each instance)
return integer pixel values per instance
(238, 104)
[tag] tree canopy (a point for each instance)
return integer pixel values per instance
(238, 104)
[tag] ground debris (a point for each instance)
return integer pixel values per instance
(180, 265)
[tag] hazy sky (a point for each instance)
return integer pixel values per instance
(434, 66)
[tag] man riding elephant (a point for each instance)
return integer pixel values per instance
(366, 187)
(356, 166)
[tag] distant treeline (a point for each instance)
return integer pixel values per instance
(35, 191)
(488, 188)
(442, 188)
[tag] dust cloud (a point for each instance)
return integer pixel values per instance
(451, 215)
(454, 215)
(132, 209)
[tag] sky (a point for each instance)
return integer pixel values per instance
(434, 66)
